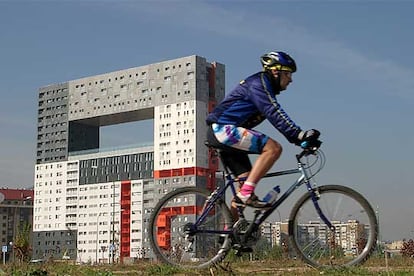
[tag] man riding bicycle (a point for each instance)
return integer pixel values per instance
(246, 106)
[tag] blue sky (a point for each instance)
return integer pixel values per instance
(354, 83)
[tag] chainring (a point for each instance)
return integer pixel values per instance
(239, 232)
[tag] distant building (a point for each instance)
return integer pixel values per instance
(347, 233)
(393, 248)
(93, 205)
(16, 210)
(276, 233)
(394, 245)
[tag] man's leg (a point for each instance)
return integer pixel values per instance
(250, 141)
(270, 154)
(233, 206)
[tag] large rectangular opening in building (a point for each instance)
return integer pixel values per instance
(127, 135)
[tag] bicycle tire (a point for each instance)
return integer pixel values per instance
(355, 222)
(168, 238)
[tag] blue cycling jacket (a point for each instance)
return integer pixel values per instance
(250, 103)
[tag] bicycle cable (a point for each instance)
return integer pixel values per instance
(319, 158)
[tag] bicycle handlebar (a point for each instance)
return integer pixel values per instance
(309, 147)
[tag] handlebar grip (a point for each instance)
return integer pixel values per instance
(304, 144)
(311, 144)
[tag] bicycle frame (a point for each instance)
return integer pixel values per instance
(261, 216)
(302, 179)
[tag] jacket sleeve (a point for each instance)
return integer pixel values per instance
(264, 99)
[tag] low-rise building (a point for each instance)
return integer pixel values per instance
(16, 210)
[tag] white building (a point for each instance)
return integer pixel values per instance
(90, 203)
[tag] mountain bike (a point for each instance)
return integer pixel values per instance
(329, 226)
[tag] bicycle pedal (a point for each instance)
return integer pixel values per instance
(246, 249)
(237, 204)
(256, 209)
(252, 202)
(240, 249)
(221, 239)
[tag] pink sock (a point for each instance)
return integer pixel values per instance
(247, 188)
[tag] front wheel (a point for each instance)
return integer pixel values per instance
(354, 233)
(183, 234)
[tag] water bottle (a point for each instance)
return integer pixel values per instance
(271, 196)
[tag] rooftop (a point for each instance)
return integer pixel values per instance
(15, 194)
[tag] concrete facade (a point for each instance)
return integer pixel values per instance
(93, 205)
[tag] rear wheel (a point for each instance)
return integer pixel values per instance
(180, 237)
(355, 228)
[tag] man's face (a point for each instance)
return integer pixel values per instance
(285, 78)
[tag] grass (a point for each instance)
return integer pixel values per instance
(374, 266)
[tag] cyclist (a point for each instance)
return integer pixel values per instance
(248, 104)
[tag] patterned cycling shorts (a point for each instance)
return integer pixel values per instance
(240, 138)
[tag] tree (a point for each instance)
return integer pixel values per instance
(21, 244)
(407, 248)
(284, 243)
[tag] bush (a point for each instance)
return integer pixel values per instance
(407, 249)
(162, 270)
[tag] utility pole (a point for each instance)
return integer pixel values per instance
(113, 224)
(97, 237)
(379, 246)
(4, 251)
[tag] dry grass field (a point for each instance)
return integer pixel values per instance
(374, 266)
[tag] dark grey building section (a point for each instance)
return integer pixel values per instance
(49, 245)
(15, 215)
(83, 136)
(214, 89)
(116, 168)
(52, 123)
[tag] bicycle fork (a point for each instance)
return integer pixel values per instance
(315, 195)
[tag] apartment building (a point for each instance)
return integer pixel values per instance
(93, 204)
(16, 211)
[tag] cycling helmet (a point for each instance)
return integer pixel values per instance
(279, 61)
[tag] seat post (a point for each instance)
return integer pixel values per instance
(217, 152)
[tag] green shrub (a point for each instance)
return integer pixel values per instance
(162, 269)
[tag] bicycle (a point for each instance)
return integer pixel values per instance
(329, 226)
